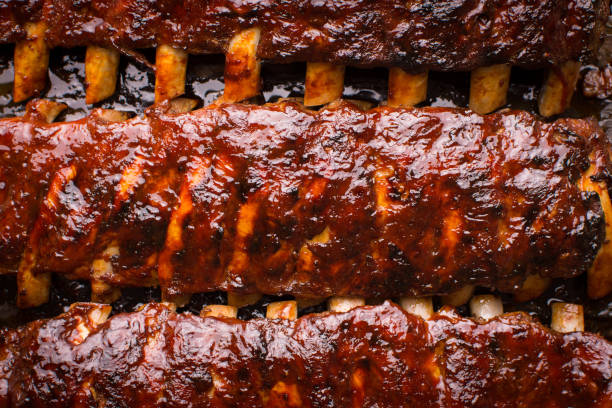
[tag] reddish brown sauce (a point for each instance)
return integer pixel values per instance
(409, 201)
(416, 35)
(370, 356)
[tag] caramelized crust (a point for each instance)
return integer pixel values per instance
(414, 35)
(598, 82)
(371, 356)
(277, 199)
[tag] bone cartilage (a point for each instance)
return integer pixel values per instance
(381, 355)
(210, 215)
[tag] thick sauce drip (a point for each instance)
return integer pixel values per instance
(416, 35)
(280, 200)
(370, 356)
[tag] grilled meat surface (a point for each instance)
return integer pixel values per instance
(415, 35)
(282, 200)
(598, 82)
(371, 356)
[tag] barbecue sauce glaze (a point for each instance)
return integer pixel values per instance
(280, 200)
(415, 35)
(370, 356)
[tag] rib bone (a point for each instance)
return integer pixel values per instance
(406, 89)
(533, 287)
(486, 307)
(239, 300)
(324, 83)
(599, 275)
(219, 311)
(282, 310)
(420, 306)
(242, 68)
(43, 110)
(31, 63)
(556, 95)
(567, 317)
(489, 88)
(34, 287)
(101, 67)
(170, 73)
(341, 304)
(459, 297)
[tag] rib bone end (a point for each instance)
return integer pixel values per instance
(31, 63)
(489, 88)
(558, 89)
(567, 317)
(341, 304)
(170, 73)
(324, 83)
(101, 67)
(282, 310)
(242, 68)
(459, 297)
(237, 300)
(533, 287)
(406, 90)
(43, 110)
(219, 311)
(486, 306)
(420, 306)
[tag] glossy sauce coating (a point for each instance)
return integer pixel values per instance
(415, 35)
(370, 356)
(598, 82)
(280, 200)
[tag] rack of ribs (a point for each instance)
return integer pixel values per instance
(364, 356)
(279, 199)
(408, 37)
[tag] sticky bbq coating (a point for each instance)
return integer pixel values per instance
(369, 356)
(282, 200)
(414, 35)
